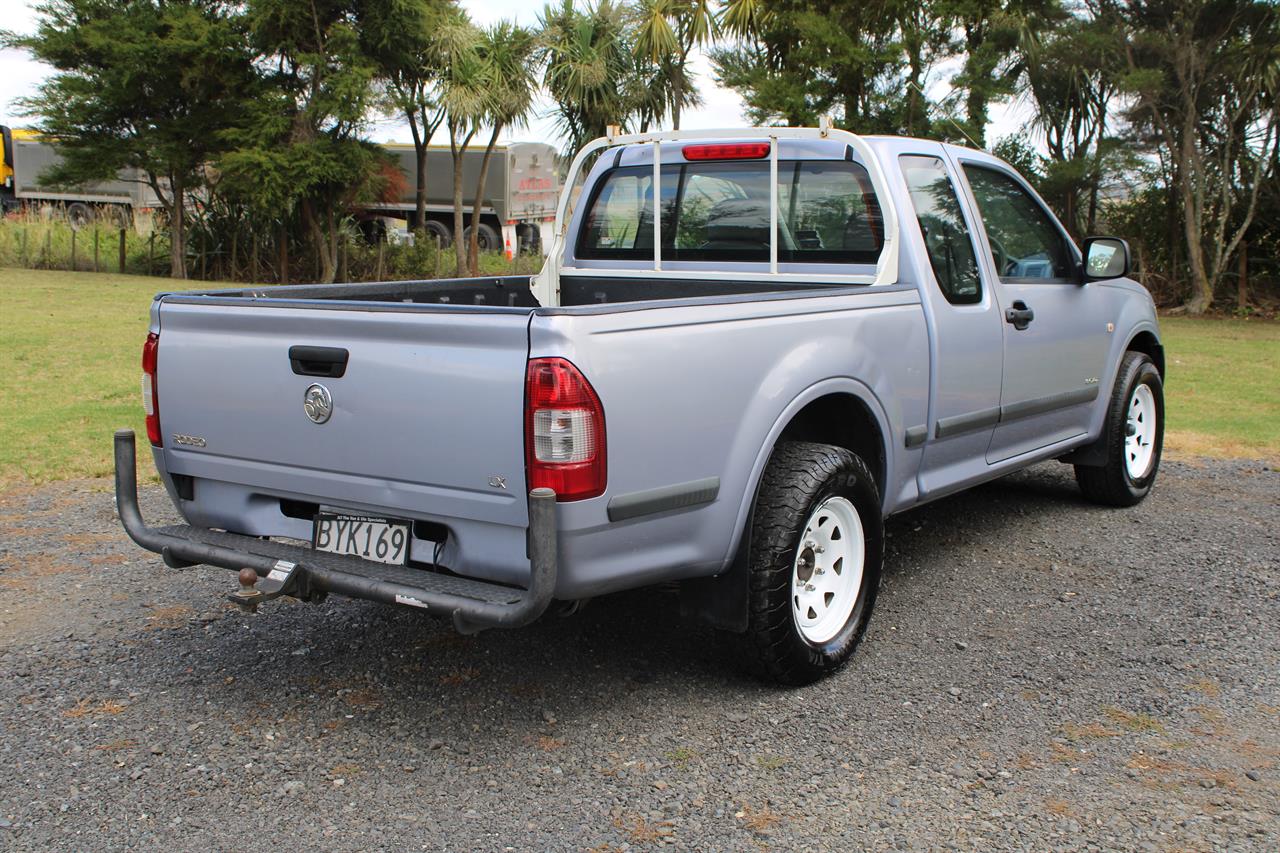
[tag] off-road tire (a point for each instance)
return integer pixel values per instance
(799, 478)
(1112, 483)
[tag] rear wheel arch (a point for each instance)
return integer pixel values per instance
(840, 412)
(845, 420)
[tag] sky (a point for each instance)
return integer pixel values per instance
(20, 75)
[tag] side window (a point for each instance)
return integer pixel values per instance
(622, 216)
(1026, 245)
(946, 236)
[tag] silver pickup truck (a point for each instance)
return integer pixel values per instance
(816, 331)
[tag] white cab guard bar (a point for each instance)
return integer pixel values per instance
(886, 266)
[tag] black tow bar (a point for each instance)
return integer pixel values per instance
(181, 546)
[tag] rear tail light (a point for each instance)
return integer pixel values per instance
(729, 151)
(564, 431)
(150, 394)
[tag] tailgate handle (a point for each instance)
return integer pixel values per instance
(318, 361)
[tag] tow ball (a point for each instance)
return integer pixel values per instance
(281, 580)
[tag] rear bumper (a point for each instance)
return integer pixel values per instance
(473, 605)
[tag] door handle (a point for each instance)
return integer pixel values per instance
(1019, 315)
(318, 361)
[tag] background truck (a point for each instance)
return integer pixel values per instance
(815, 331)
(521, 189)
(27, 156)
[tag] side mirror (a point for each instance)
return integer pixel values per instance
(1105, 258)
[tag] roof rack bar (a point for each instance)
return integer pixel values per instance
(773, 203)
(657, 205)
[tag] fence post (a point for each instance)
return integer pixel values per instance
(48, 249)
(122, 250)
(96, 234)
(382, 248)
(73, 250)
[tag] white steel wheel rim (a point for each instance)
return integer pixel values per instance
(826, 573)
(1140, 433)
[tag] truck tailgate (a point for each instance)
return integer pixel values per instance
(426, 419)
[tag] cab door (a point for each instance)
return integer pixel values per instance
(964, 318)
(1056, 330)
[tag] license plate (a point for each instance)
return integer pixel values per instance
(379, 539)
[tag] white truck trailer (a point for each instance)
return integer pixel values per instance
(520, 193)
(27, 156)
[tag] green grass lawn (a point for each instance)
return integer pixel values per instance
(1222, 389)
(71, 344)
(70, 369)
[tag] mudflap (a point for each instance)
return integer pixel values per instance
(721, 601)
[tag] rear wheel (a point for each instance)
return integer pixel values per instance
(487, 239)
(119, 216)
(438, 231)
(816, 553)
(1133, 434)
(79, 215)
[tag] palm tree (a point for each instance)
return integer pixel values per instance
(743, 18)
(410, 42)
(587, 62)
(506, 50)
(466, 96)
(667, 32)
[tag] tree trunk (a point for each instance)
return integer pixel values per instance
(177, 230)
(1242, 283)
(312, 223)
(1201, 293)
(473, 244)
(420, 178)
(915, 60)
(1201, 290)
(420, 191)
(677, 94)
(978, 68)
(458, 149)
(283, 249)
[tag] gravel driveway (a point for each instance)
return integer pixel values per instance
(1040, 674)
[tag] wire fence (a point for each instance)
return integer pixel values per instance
(46, 239)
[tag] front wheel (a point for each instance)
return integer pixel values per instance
(1133, 436)
(816, 551)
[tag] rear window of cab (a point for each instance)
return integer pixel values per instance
(827, 213)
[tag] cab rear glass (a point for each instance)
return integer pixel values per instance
(827, 213)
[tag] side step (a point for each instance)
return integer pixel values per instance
(473, 605)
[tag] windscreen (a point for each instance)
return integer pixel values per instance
(827, 213)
